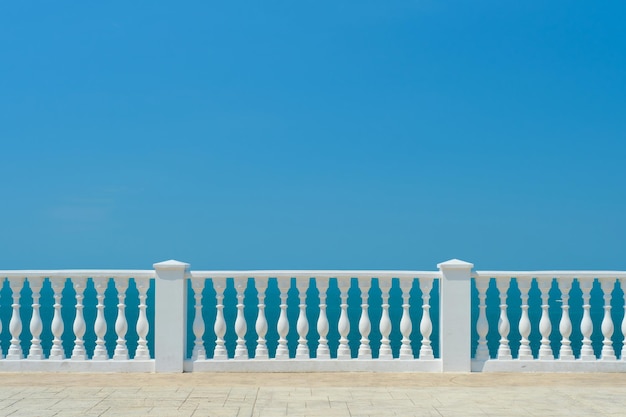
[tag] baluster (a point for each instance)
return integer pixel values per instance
(79, 326)
(36, 326)
(406, 327)
(15, 325)
(608, 353)
(121, 324)
(57, 352)
(586, 325)
(385, 322)
(143, 326)
(1, 286)
(220, 353)
(322, 321)
(302, 325)
(565, 325)
(545, 327)
(282, 351)
(261, 321)
(198, 353)
(504, 351)
(365, 325)
(524, 326)
(343, 350)
(482, 325)
(426, 325)
(100, 326)
(622, 283)
(241, 351)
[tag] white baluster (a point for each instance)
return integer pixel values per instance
(143, 326)
(79, 326)
(586, 325)
(282, 351)
(15, 325)
(322, 321)
(121, 324)
(524, 326)
(545, 327)
(1, 286)
(343, 351)
(622, 284)
(198, 353)
(365, 325)
(302, 325)
(100, 326)
(36, 326)
(261, 321)
(241, 351)
(406, 326)
(57, 352)
(565, 325)
(504, 351)
(608, 353)
(220, 353)
(385, 322)
(426, 325)
(482, 325)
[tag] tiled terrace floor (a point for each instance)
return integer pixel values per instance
(324, 395)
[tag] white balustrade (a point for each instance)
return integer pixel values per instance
(323, 352)
(482, 325)
(385, 321)
(302, 325)
(586, 325)
(121, 325)
(241, 351)
(608, 353)
(143, 326)
(406, 326)
(282, 351)
(15, 325)
(426, 325)
(79, 327)
(524, 327)
(343, 351)
(261, 321)
(220, 353)
(545, 327)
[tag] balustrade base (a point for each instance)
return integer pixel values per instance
(557, 365)
(68, 365)
(315, 365)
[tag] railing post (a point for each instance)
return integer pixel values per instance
(170, 316)
(455, 318)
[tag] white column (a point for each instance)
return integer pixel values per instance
(524, 326)
(545, 327)
(36, 326)
(241, 327)
(608, 353)
(143, 326)
(482, 325)
(261, 321)
(15, 324)
(586, 325)
(100, 326)
(343, 351)
(57, 352)
(406, 325)
(365, 326)
(79, 326)
(565, 325)
(282, 327)
(322, 321)
(170, 316)
(199, 353)
(504, 327)
(121, 324)
(220, 353)
(455, 318)
(302, 324)
(426, 325)
(385, 322)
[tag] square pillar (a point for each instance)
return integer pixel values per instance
(170, 316)
(455, 317)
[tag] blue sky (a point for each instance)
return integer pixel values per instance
(339, 134)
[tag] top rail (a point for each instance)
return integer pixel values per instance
(551, 274)
(73, 273)
(316, 274)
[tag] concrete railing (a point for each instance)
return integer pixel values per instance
(171, 319)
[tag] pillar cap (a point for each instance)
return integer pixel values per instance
(455, 264)
(171, 265)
